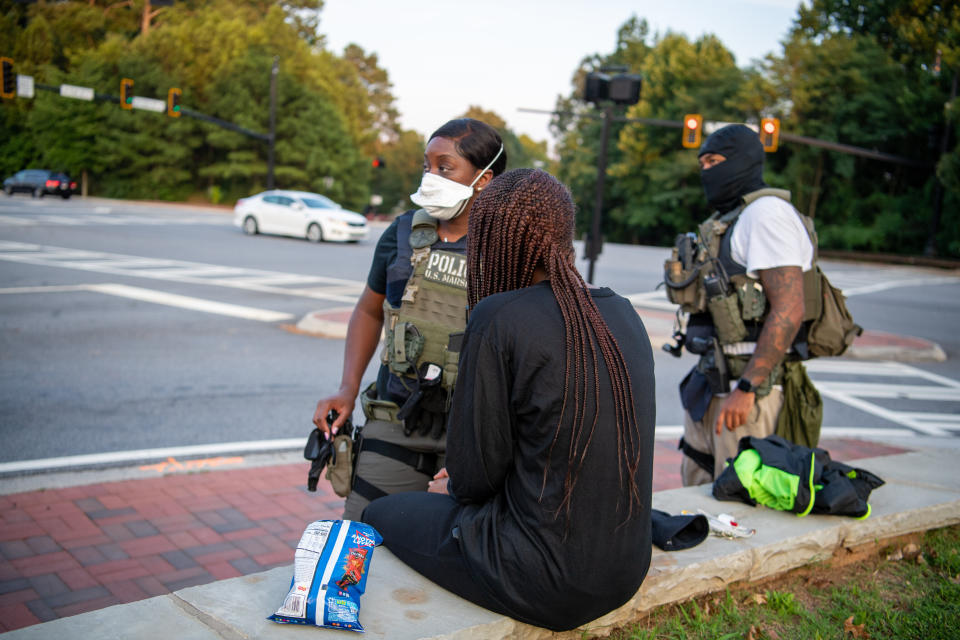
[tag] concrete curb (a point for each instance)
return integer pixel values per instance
(922, 492)
(872, 345)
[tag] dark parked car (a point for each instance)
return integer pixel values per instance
(40, 182)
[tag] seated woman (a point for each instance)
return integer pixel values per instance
(545, 513)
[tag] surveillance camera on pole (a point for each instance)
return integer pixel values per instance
(622, 89)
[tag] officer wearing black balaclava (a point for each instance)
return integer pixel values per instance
(741, 170)
(757, 249)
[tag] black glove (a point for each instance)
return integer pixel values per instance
(320, 449)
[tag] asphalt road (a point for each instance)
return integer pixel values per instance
(132, 326)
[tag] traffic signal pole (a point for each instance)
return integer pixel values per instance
(595, 238)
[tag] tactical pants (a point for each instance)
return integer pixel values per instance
(702, 435)
(387, 474)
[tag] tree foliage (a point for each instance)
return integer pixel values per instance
(335, 112)
(876, 75)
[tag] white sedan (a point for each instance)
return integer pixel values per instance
(298, 213)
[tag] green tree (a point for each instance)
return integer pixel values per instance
(653, 189)
(331, 109)
(877, 75)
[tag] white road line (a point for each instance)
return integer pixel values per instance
(88, 217)
(259, 446)
(181, 271)
(881, 412)
(48, 289)
(186, 302)
(893, 284)
(896, 391)
(161, 297)
(14, 221)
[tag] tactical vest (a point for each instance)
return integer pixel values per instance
(702, 277)
(424, 333)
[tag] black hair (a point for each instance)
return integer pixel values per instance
(476, 141)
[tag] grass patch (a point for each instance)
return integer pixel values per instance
(909, 591)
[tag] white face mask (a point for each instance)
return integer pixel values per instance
(445, 199)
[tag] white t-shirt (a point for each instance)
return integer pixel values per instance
(769, 234)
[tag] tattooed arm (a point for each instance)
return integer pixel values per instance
(783, 287)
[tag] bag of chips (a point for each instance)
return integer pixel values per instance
(329, 575)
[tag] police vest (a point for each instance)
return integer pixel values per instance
(702, 277)
(427, 327)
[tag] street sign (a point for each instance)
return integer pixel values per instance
(24, 86)
(73, 91)
(149, 104)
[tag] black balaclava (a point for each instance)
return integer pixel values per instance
(742, 171)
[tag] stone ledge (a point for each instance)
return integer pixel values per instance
(922, 492)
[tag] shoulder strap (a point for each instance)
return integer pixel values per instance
(783, 194)
(404, 250)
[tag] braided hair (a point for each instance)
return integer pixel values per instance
(523, 220)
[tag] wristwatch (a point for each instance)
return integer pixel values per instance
(745, 385)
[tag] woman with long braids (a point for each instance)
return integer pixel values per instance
(543, 510)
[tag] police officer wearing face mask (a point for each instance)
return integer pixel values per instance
(746, 303)
(416, 294)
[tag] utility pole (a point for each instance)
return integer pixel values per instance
(273, 120)
(595, 242)
(601, 89)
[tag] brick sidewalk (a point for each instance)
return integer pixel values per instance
(67, 551)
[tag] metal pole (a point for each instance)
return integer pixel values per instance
(593, 249)
(273, 120)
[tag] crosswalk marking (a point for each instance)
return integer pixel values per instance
(162, 297)
(858, 394)
(85, 218)
(324, 287)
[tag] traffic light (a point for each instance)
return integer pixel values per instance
(126, 93)
(173, 102)
(378, 163)
(9, 85)
(692, 130)
(770, 134)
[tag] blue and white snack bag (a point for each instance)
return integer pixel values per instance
(329, 575)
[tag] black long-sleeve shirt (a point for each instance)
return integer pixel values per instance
(506, 407)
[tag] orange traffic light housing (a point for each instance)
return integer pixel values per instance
(126, 93)
(8, 82)
(770, 134)
(173, 102)
(692, 130)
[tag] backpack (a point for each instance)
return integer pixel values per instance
(832, 329)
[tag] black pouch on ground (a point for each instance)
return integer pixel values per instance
(674, 533)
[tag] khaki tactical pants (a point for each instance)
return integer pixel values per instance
(387, 474)
(702, 436)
